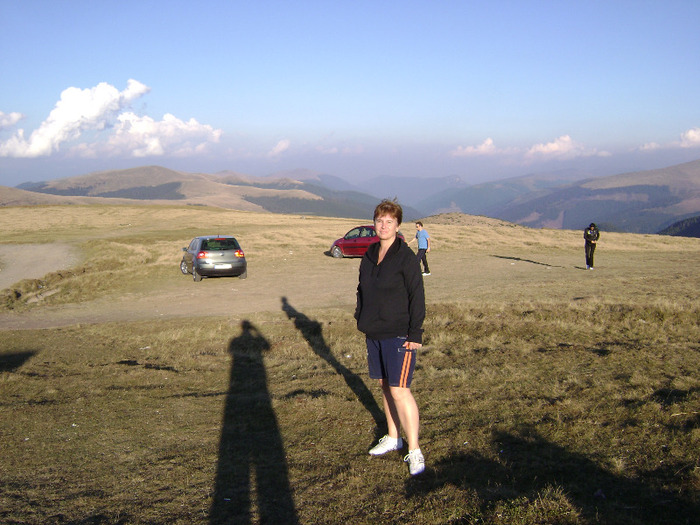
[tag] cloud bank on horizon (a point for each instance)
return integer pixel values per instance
(123, 133)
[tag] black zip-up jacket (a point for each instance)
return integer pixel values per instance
(390, 295)
(591, 235)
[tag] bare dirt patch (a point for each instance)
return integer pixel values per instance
(33, 261)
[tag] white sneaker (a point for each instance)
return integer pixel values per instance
(386, 444)
(416, 461)
(427, 273)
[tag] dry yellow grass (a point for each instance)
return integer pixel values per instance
(549, 394)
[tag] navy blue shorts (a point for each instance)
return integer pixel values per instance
(389, 360)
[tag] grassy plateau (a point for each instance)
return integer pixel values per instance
(549, 394)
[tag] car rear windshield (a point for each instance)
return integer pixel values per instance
(220, 244)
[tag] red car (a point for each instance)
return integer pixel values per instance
(355, 242)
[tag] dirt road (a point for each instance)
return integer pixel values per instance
(321, 281)
(318, 281)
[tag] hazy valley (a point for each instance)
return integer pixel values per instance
(640, 202)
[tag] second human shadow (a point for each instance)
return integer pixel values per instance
(313, 333)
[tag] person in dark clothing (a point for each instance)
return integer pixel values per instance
(591, 235)
(390, 312)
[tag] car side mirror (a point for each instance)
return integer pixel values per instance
(184, 249)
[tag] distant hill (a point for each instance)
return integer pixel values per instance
(487, 198)
(639, 202)
(320, 179)
(686, 228)
(412, 190)
(156, 184)
(17, 197)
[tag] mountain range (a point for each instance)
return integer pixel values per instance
(638, 202)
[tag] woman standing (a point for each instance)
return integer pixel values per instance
(390, 312)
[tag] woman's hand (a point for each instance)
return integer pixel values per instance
(409, 345)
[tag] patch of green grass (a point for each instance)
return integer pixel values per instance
(536, 413)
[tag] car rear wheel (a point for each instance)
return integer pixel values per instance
(196, 275)
(244, 275)
(183, 267)
(336, 252)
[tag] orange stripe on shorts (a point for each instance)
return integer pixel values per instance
(405, 369)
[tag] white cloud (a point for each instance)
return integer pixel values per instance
(280, 147)
(485, 148)
(102, 108)
(650, 146)
(138, 136)
(691, 138)
(8, 120)
(563, 147)
(78, 110)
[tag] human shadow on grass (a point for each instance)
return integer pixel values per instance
(528, 465)
(12, 361)
(313, 333)
(518, 259)
(250, 448)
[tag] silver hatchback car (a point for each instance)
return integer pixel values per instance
(214, 256)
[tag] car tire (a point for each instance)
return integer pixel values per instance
(336, 252)
(183, 267)
(244, 275)
(196, 275)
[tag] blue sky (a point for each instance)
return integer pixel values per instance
(360, 89)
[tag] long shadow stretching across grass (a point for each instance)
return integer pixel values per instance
(251, 445)
(529, 464)
(313, 333)
(527, 261)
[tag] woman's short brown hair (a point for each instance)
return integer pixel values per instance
(389, 207)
